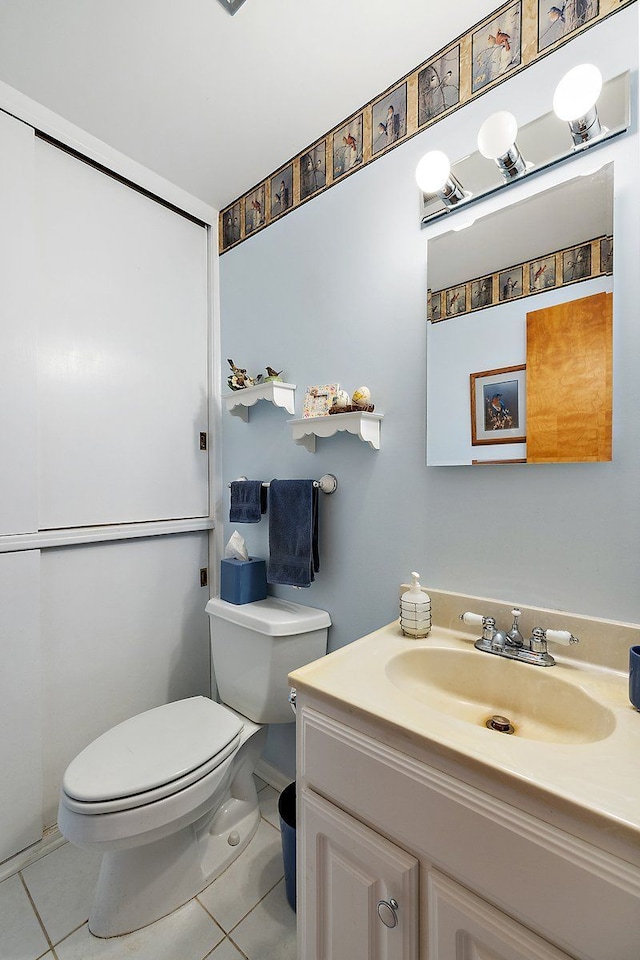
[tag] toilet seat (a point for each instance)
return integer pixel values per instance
(151, 756)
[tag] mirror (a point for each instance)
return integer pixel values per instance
(543, 142)
(519, 336)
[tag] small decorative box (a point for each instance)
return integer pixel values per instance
(243, 581)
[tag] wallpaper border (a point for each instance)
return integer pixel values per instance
(507, 41)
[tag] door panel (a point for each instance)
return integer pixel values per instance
(20, 702)
(346, 871)
(570, 381)
(18, 277)
(122, 350)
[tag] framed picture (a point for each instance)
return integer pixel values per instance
(496, 47)
(481, 293)
(254, 210)
(347, 147)
(313, 170)
(576, 263)
(439, 86)
(455, 300)
(606, 255)
(498, 406)
(389, 119)
(231, 226)
(542, 274)
(435, 305)
(318, 400)
(558, 20)
(281, 191)
(510, 284)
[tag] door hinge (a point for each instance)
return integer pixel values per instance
(203, 440)
(204, 577)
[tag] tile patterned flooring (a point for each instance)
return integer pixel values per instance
(243, 915)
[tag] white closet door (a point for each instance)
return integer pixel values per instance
(124, 629)
(20, 703)
(18, 440)
(122, 328)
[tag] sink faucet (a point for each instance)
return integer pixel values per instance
(512, 644)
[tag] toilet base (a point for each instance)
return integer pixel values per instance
(139, 886)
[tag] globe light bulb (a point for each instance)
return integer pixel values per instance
(433, 171)
(433, 176)
(497, 134)
(577, 92)
(497, 141)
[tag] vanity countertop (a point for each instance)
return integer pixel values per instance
(598, 781)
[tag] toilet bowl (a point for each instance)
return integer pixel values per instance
(168, 796)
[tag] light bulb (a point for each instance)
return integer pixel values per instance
(577, 92)
(433, 171)
(497, 141)
(497, 135)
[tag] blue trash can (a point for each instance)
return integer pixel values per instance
(287, 812)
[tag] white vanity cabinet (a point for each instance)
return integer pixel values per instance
(490, 881)
(361, 890)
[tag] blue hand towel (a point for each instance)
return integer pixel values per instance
(293, 532)
(248, 501)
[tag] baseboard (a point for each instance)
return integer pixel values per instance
(271, 775)
(51, 840)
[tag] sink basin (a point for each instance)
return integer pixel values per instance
(474, 686)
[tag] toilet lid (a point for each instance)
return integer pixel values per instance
(151, 749)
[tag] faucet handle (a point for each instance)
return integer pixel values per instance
(488, 624)
(474, 618)
(539, 638)
(561, 636)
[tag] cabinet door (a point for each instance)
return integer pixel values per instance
(122, 351)
(348, 876)
(464, 927)
(20, 702)
(18, 419)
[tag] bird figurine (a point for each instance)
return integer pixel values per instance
(272, 375)
(238, 379)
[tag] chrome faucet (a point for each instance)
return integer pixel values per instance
(512, 644)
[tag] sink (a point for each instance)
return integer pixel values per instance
(474, 687)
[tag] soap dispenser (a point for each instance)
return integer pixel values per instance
(415, 610)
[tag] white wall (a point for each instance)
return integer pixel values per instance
(336, 291)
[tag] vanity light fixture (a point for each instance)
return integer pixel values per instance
(542, 143)
(434, 177)
(575, 101)
(497, 141)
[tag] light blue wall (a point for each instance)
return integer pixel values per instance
(336, 291)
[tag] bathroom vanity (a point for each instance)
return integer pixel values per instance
(423, 834)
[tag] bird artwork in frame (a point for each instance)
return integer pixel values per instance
(498, 405)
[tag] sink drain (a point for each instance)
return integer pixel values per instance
(501, 724)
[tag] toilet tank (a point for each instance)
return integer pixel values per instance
(254, 646)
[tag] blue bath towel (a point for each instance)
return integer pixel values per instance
(293, 532)
(248, 501)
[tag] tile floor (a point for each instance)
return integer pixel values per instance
(243, 915)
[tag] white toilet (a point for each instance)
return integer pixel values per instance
(168, 796)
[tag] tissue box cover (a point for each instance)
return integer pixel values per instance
(243, 581)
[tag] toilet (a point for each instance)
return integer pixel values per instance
(168, 796)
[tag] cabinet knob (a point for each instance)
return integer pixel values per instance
(388, 912)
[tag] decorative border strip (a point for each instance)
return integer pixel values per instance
(516, 35)
(582, 261)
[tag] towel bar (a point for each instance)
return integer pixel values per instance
(327, 483)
